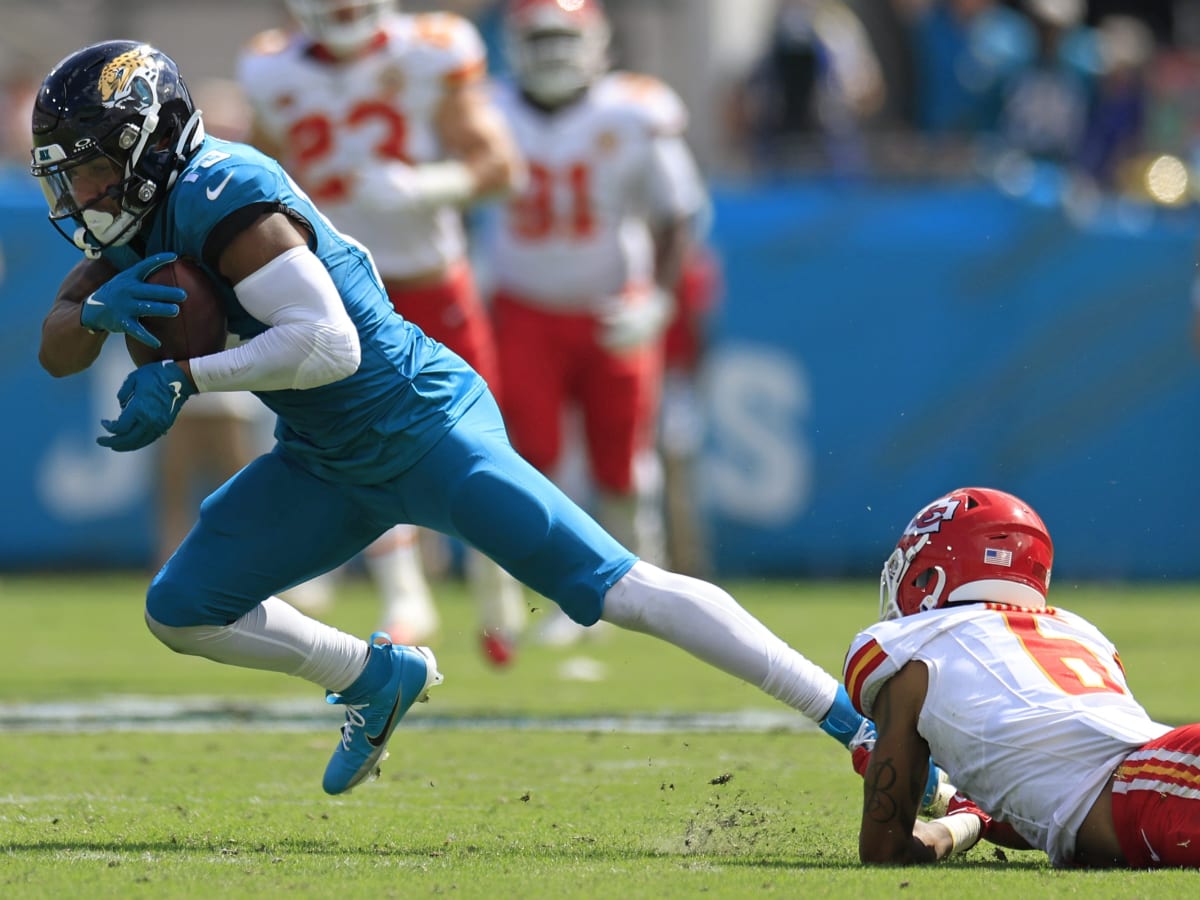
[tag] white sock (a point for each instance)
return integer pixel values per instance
(617, 514)
(277, 637)
(499, 598)
(315, 596)
(635, 520)
(650, 523)
(394, 563)
(708, 623)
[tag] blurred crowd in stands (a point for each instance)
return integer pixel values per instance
(1103, 89)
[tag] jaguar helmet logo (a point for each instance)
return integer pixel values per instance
(130, 81)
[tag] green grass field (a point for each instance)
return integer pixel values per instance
(527, 809)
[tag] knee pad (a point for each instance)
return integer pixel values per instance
(179, 599)
(186, 639)
(166, 603)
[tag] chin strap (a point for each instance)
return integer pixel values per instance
(80, 239)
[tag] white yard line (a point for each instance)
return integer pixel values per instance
(200, 714)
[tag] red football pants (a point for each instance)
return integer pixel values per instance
(1156, 801)
(452, 313)
(552, 361)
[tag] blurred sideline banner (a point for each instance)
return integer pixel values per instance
(66, 500)
(878, 345)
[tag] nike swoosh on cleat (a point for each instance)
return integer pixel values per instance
(379, 739)
(214, 193)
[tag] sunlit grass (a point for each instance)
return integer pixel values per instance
(486, 813)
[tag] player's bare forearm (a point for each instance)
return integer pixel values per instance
(67, 347)
(474, 132)
(891, 834)
(895, 779)
(672, 241)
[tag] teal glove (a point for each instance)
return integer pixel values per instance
(150, 399)
(118, 304)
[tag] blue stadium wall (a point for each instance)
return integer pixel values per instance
(878, 344)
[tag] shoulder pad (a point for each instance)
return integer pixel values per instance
(440, 45)
(651, 100)
(269, 42)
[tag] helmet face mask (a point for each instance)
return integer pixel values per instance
(89, 187)
(556, 48)
(112, 126)
(343, 27)
(972, 545)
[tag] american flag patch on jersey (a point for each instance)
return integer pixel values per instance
(995, 557)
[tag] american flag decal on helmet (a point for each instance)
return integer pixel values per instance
(995, 557)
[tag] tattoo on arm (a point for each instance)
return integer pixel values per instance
(879, 804)
(896, 772)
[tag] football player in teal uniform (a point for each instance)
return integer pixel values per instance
(377, 423)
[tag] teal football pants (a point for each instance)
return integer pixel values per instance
(275, 524)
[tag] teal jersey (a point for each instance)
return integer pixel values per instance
(408, 389)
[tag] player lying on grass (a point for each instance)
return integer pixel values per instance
(1024, 705)
(378, 424)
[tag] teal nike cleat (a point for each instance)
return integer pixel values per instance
(369, 725)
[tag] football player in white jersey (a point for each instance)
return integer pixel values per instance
(1024, 705)
(584, 259)
(383, 120)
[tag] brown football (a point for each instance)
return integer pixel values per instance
(200, 328)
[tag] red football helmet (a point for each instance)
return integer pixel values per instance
(556, 48)
(972, 545)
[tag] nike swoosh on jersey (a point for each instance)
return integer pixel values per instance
(214, 193)
(379, 739)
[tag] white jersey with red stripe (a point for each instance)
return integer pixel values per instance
(601, 170)
(1027, 710)
(338, 121)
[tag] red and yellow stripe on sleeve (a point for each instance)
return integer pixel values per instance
(859, 668)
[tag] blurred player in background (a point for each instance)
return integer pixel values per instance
(585, 259)
(382, 119)
(682, 425)
(377, 423)
(807, 101)
(1025, 705)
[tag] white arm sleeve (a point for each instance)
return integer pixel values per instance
(311, 340)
